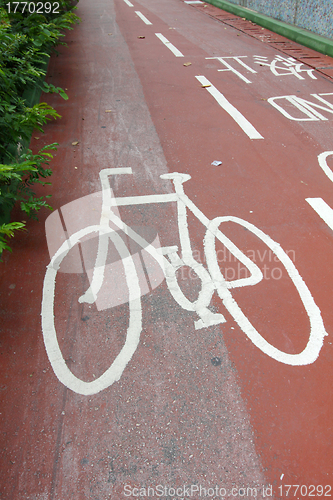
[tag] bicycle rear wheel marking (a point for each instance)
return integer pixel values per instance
(114, 372)
(317, 330)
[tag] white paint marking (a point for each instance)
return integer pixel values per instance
(141, 16)
(108, 216)
(318, 204)
(329, 104)
(317, 330)
(322, 162)
(244, 124)
(311, 105)
(200, 306)
(230, 68)
(168, 44)
(256, 274)
(211, 280)
(129, 3)
(144, 199)
(293, 100)
(242, 63)
(246, 80)
(323, 210)
(114, 372)
(307, 107)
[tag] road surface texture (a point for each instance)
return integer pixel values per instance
(171, 337)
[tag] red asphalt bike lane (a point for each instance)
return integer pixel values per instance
(264, 181)
(193, 407)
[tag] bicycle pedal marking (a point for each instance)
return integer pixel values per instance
(209, 319)
(176, 177)
(169, 250)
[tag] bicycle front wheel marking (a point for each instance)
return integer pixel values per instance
(114, 372)
(317, 330)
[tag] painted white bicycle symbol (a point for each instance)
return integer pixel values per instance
(170, 261)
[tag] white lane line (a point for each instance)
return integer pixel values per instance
(144, 19)
(323, 210)
(129, 3)
(169, 45)
(244, 124)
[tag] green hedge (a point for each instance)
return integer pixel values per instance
(26, 41)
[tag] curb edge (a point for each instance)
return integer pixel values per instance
(299, 35)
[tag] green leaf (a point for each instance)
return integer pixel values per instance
(63, 94)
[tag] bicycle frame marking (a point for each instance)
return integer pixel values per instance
(211, 280)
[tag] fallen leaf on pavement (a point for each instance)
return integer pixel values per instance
(75, 143)
(141, 37)
(187, 64)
